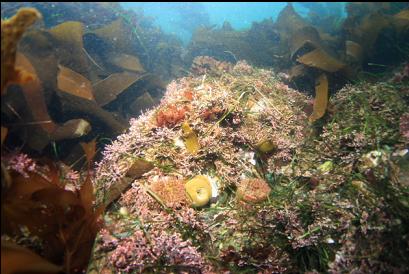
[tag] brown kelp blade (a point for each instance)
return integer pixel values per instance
(18, 259)
(108, 89)
(4, 132)
(321, 98)
(34, 94)
(318, 58)
(68, 36)
(354, 50)
(74, 83)
(89, 149)
(11, 32)
(126, 62)
(137, 169)
(305, 36)
(117, 34)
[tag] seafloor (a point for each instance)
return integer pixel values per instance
(280, 194)
(232, 170)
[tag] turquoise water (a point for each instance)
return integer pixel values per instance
(181, 18)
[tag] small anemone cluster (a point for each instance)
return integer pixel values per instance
(253, 190)
(175, 193)
(170, 190)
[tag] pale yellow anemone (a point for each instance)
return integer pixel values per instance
(199, 190)
(266, 146)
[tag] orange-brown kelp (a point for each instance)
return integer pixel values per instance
(11, 32)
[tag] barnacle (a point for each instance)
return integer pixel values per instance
(199, 190)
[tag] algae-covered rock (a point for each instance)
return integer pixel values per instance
(287, 190)
(275, 132)
(292, 196)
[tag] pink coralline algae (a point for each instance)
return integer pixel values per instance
(208, 65)
(137, 253)
(403, 75)
(140, 203)
(72, 176)
(22, 164)
(176, 251)
(171, 115)
(282, 86)
(133, 253)
(243, 67)
(404, 125)
(189, 217)
(171, 191)
(108, 241)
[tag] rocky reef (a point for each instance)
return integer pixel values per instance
(232, 166)
(288, 194)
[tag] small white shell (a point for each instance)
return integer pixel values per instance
(215, 187)
(179, 142)
(123, 211)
